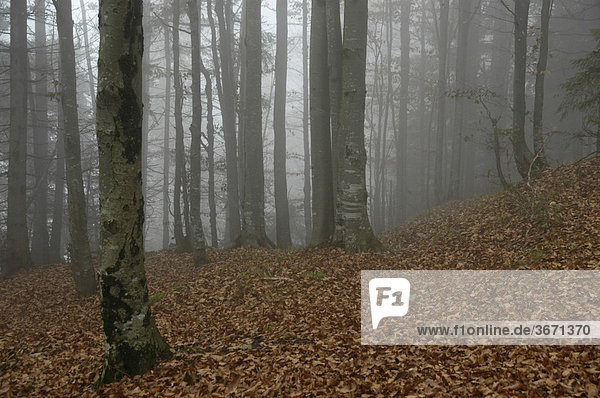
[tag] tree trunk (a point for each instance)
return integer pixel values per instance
(284, 238)
(56, 254)
(133, 343)
(253, 210)
(356, 231)
(538, 105)
(198, 240)
(441, 94)
(17, 239)
(423, 127)
(40, 253)
(146, 78)
(305, 127)
(334, 60)
(522, 153)
(210, 126)
(320, 133)
(227, 102)
(179, 189)
(166, 143)
(402, 135)
(464, 21)
(81, 260)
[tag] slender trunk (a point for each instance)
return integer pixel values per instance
(17, 240)
(240, 73)
(334, 61)
(357, 234)
(56, 254)
(401, 143)
(210, 153)
(284, 238)
(423, 128)
(166, 142)
(179, 186)
(39, 241)
(441, 94)
(146, 76)
(522, 153)
(464, 20)
(133, 343)
(538, 105)
(305, 127)
(322, 172)
(227, 102)
(81, 261)
(197, 232)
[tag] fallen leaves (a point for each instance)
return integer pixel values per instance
(287, 323)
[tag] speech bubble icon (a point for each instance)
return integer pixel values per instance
(389, 298)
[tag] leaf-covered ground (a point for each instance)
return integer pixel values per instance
(287, 323)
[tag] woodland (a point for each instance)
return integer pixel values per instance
(190, 189)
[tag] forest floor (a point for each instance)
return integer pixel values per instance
(287, 323)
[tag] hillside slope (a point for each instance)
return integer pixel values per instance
(287, 323)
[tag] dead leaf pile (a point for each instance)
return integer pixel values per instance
(287, 323)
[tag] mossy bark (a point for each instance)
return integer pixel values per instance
(133, 343)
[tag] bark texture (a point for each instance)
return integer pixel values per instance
(356, 232)
(133, 343)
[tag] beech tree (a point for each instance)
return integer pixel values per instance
(197, 232)
(356, 233)
(133, 343)
(282, 219)
(320, 129)
(253, 203)
(81, 258)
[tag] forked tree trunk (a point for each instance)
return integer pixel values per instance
(133, 343)
(227, 101)
(197, 236)
(521, 152)
(356, 232)
(81, 259)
